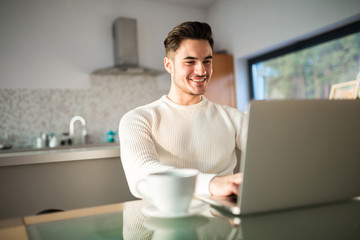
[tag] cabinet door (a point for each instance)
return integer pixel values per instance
(221, 88)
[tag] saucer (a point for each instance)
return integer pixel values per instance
(196, 207)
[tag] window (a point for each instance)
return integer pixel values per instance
(308, 68)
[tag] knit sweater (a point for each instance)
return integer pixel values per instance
(164, 135)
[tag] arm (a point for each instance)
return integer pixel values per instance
(139, 155)
(229, 184)
(137, 150)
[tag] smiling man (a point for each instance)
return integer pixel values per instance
(191, 69)
(183, 129)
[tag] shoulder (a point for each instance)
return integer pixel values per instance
(233, 116)
(226, 110)
(141, 113)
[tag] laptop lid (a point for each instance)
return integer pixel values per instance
(300, 152)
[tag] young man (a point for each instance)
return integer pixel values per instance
(184, 129)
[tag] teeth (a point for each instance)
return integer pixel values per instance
(200, 80)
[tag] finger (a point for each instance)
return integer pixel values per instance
(234, 188)
(237, 178)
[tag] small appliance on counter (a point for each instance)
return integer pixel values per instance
(65, 139)
(5, 146)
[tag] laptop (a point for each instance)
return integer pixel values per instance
(298, 153)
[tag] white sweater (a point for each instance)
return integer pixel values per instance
(164, 135)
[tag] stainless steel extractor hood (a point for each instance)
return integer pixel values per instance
(125, 50)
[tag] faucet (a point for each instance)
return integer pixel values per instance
(83, 123)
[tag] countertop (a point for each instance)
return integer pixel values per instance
(59, 154)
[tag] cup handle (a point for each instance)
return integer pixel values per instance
(138, 189)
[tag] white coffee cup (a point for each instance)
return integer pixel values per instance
(170, 191)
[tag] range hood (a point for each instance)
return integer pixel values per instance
(125, 50)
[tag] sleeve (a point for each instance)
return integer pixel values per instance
(203, 183)
(137, 150)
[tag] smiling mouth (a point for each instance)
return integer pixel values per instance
(198, 79)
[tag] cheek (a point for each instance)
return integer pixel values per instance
(209, 70)
(183, 71)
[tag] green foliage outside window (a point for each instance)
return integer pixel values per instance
(309, 73)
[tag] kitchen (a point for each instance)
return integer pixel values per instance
(50, 48)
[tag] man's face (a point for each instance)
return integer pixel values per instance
(190, 68)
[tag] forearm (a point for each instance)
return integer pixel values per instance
(138, 153)
(139, 169)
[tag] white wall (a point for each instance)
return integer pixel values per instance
(247, 28)
(58, 43)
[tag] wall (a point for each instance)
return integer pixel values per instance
(49, 48)
(25, 113)
(248, 28)
(56, 44)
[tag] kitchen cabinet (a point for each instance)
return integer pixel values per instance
(221, 89)
(64, 178)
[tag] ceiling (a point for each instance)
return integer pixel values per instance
(192, 3)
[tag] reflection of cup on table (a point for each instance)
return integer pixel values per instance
(170, 191)
(176, 228)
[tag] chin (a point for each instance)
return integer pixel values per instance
(197, 93)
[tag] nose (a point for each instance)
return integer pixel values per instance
(200, 69)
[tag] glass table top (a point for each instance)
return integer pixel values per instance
(332, 221)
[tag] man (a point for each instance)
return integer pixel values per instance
(184, 129)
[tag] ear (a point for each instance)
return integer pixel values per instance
(169, 65)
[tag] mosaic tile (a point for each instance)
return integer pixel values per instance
(25, 113)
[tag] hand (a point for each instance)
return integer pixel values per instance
(225, 185)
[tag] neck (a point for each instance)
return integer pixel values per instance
(184, 100)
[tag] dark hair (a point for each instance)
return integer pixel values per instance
(187, 30)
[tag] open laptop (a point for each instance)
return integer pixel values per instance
(298, 153)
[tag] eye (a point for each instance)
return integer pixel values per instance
(190, 62)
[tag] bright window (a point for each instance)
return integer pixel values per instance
(308, 68)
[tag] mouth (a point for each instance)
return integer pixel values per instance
(198, 79)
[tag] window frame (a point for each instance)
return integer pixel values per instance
(300, 45)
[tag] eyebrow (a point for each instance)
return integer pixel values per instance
(193, 58)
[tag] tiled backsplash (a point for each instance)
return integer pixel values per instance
(25, 113)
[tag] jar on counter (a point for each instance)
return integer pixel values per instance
(52, 140)
(111, 136)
